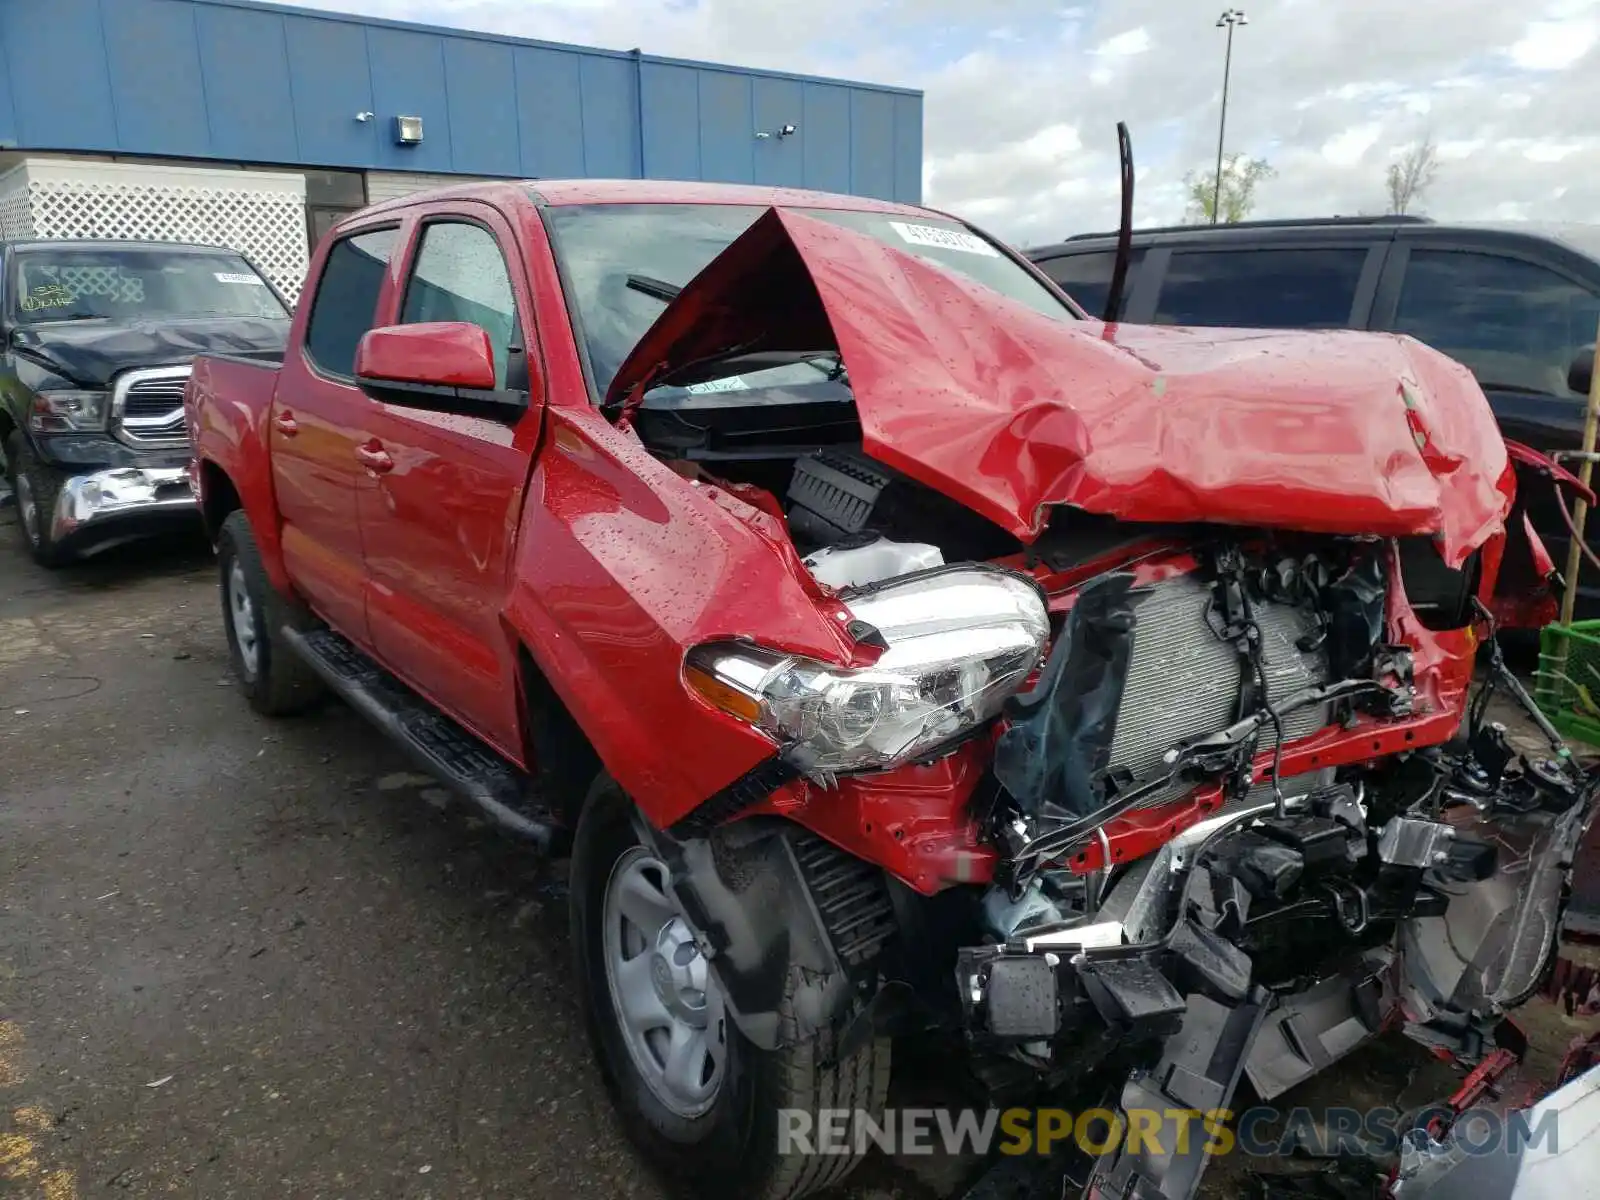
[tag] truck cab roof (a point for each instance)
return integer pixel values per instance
(552, 193)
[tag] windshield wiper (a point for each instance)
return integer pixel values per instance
(657, 289)
(745, 360)
(831, 365)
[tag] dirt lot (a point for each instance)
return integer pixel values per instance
(252, 959)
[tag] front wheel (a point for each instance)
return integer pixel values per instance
(36, 486)
(701, 1102)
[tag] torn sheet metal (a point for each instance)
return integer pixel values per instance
(1011, 411)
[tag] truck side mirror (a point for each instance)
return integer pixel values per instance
(1581, 372)
(444, 366)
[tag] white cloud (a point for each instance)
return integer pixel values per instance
(1022, 96)
(1555, 45)
(1123, 45)
(1349, 147)
(1551, 152)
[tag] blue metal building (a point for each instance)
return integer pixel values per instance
(252, 85)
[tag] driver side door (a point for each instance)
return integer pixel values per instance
(441, 517)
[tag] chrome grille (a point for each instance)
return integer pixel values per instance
(154, 398)
(1183, 682)
(147, 406)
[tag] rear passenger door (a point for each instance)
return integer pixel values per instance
(1515, 320)
(1305, 285)
(319, 419)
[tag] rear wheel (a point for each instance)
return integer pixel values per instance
(36, 487)
(701, 1102)
(274, 678)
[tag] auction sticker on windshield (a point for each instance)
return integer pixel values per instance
(229, 277)
(943, 239)
(734, 383)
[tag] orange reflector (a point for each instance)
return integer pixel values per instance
(720, 695)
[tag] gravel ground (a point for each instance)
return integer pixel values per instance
(244, 958)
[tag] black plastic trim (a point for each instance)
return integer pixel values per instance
(750, 789)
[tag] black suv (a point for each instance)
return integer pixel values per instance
(1516, 303)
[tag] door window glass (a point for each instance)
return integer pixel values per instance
(1261, 289)
(347, 298)
(1087, 278)
(460, 275)
(1517, 326)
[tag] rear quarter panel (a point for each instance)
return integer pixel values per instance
(228, 402)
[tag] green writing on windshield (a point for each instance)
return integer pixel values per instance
(49, 295)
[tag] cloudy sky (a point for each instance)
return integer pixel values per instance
(1023, 96)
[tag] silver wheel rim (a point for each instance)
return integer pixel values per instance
(244, 619)
(27, 506)
(665, 999)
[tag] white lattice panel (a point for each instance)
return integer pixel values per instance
(260, 214)
(16, 212)
(104, 281)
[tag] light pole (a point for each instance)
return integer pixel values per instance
(1229, 18)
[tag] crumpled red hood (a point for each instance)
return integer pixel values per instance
(1012, 412)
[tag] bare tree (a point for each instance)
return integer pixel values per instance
(1412, 174)
(1240, 175)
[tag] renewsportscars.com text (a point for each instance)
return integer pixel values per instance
(1261, 1131)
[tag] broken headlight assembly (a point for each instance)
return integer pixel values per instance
(960, 641)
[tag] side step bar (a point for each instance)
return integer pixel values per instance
(437, 744)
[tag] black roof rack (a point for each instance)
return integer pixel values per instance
(1287, 223)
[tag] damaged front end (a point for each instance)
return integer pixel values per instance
(1166, 756)
(1357, 869)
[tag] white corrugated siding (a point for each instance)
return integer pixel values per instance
(390, 185)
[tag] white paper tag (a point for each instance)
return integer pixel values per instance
(226, 277)
(734, 383)
(943, 239)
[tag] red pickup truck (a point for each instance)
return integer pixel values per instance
(897, 650)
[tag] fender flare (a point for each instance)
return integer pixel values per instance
(746, 892)
(234, 443)
(258, 505)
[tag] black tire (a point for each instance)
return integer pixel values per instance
(278, 682)
(733, 1149)
(35, 486)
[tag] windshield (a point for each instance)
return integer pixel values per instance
(65, 283)
(623, 262)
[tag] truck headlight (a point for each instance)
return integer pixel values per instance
(960, 641)
(68, 412)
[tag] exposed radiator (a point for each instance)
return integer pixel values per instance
(1183, 682)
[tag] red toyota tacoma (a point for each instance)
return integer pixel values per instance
(896, 650)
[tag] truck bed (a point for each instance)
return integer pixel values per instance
(227, 404)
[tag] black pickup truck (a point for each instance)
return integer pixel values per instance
(96, 340)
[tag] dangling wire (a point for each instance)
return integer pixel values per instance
(1280, 805)
(1249, 629)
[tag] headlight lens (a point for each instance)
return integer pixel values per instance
(68, 412)
(960, 642)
